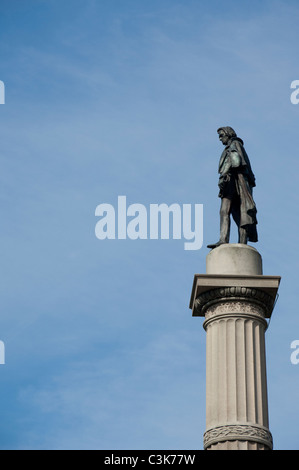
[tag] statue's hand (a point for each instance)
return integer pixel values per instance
(226, 178)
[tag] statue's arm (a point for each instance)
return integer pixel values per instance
(235, 159)
(231, 163)
(226, 166)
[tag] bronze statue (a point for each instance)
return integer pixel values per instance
(235, 190)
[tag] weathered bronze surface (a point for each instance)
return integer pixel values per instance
(236, 181)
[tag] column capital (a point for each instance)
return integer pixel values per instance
(210, 288)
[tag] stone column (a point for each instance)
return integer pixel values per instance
(236, 300)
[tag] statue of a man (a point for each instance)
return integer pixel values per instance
(235, 189)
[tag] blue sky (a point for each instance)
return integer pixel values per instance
(108, 98)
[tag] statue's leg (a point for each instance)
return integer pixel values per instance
(243, 238)
(225, 211)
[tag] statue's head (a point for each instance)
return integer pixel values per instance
(225, 134)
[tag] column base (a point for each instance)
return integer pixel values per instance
(238, 437)
(238, 445)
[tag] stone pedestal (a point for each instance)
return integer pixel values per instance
(236, 300)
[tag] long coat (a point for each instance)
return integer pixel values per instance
(234, 162)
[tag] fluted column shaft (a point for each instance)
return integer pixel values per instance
(236, 383)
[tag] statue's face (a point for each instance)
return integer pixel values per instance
(223, 137)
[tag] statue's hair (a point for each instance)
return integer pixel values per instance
(229, 131)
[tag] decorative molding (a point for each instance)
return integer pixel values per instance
(234, 308)
(237, 293)
(238, 432)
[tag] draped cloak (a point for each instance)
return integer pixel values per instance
(234, 162)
